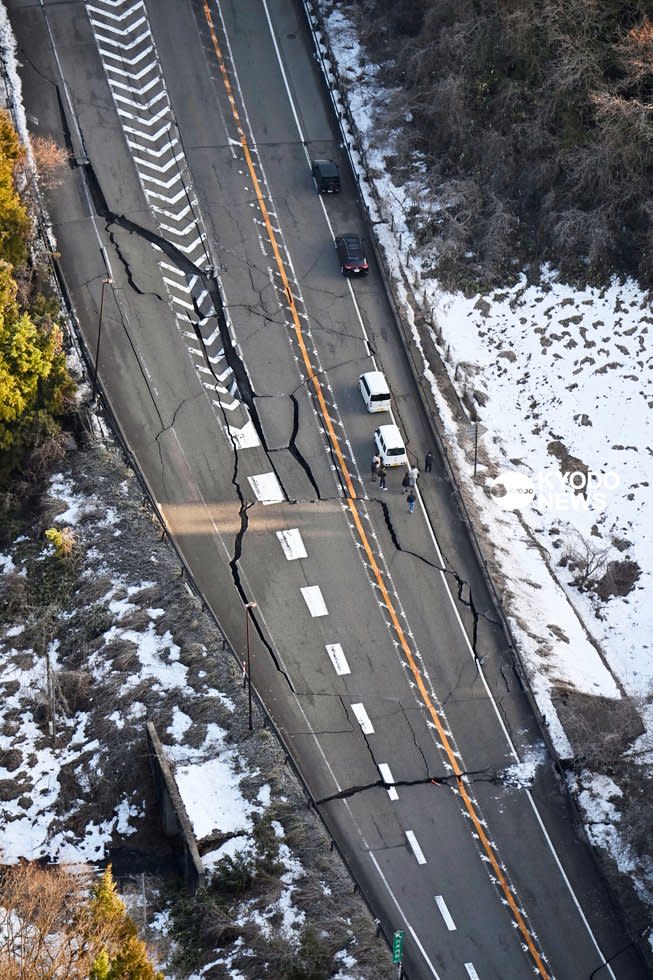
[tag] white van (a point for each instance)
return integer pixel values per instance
(375, 391)
(390, 445)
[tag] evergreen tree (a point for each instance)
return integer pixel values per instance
(14, 220)
(34, 382)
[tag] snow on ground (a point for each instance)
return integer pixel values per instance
(208, 775)
(41, 817)
(553, 364)
(562, 381)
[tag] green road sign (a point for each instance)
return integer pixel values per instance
(398, 946)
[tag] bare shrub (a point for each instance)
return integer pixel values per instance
(549, 108)
(600, 730)
(74, 688)
(51, 161)
(586, 560)
(619, 578)
(38, 928)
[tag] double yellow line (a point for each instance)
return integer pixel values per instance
(351, 497)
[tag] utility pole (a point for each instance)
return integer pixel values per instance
(96, 363)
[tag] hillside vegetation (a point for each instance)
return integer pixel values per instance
(535, 121)
(36, 390)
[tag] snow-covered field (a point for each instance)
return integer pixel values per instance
(561, 380)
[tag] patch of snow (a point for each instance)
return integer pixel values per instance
(264, 795)
(124, 811)
(212, 797)
(522, 774)
(7, 565)
(180, 724)
(121, 607)
(239, 844)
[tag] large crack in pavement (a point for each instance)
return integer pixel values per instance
(449, 781)
(461, 583)
(128, 271)
(234, 362)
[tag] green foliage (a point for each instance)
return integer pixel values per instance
(62, 540)
(14, 220)
(233, 875)
(129, 963)
(267, 847)
(34, 382)
(100, 970)
(35, 387)
(124, 956)
(106, 905)
(311, 960)
(51, 928)
(51, 582)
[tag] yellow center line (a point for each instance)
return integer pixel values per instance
(353, 509)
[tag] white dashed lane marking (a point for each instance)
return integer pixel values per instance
(363, 719)
(292, 544)
(471, 972)
(338, 659)
(446, 914)
(313, 598)
(416, 849)
(387, 777)
(266, 488)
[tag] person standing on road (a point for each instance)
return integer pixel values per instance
(411, 501)
(375, 466)
(405, 483)
(428, 462)
(382, 477)
(412, 474)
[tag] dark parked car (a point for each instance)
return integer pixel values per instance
(351, 255)
(326, 176)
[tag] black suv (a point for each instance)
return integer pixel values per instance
(326, 176)
(351, 255)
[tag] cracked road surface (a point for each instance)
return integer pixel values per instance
(231, 349)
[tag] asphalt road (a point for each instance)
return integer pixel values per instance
(230, 348)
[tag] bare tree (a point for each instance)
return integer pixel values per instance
(587, 560)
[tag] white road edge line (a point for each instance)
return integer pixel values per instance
(409, 928)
